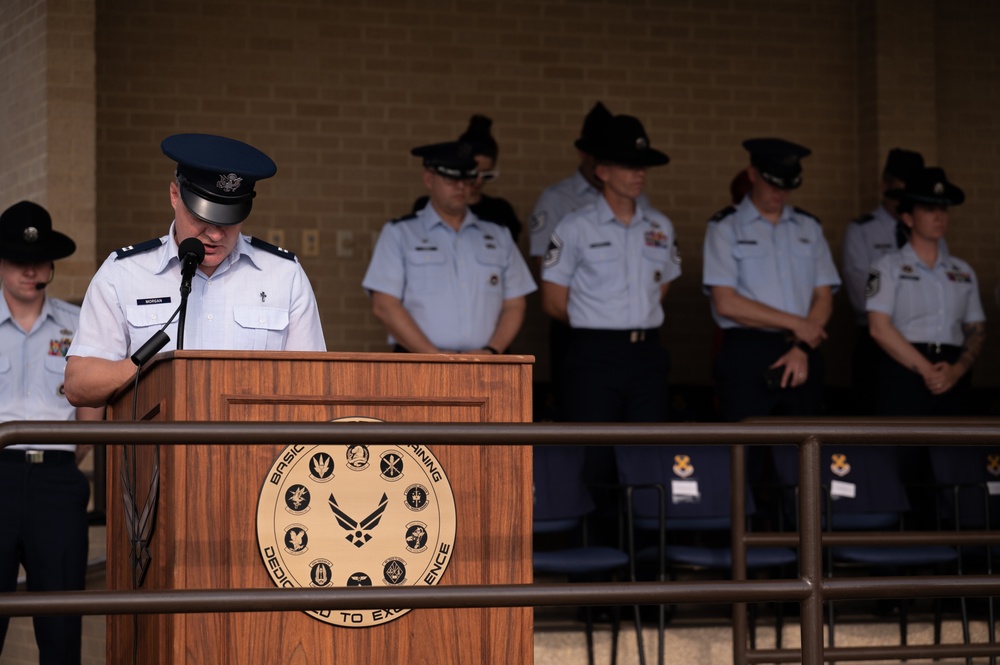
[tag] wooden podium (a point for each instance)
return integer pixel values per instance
(206, 526)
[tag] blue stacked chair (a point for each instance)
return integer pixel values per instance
(672, 491)
(562, 504)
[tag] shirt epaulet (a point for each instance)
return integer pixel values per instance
(132, 250)
(722, 214)
(273, 249)
(404, 218)
(863, 219)
(806, 213)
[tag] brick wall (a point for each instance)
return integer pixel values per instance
(338, 93)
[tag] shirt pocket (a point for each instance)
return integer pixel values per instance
(6, 380)
(144, 320)
(55, 375)
(748, 251)
(424, 270)
(602, 269)
(260, 328)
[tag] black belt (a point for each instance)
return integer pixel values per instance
(934, 348)
(621, 336)
(47, 457)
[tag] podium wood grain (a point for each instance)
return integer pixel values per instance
(206, 527)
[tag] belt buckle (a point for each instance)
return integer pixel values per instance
(637, 336)
(34, 456)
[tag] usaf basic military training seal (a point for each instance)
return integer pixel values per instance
(353, 515)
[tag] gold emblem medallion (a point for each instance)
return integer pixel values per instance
(356, 515)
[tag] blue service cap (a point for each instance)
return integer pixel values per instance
(217, 175)
(453, 159)
(777, 161)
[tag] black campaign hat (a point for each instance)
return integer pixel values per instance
(624, 142)
(777, 161)
(217, 175)
(26, 235)
(929, 186)
(594, 126)
(453, 159)
(903, 164)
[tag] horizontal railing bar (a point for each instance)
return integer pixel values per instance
(920, 652)
(499, 595)
(877, 538)
(910, 432)
(359, 598)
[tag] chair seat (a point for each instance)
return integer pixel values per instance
(720, 558)
(579, 560)
(896, 556)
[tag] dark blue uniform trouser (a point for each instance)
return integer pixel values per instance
(739, 377)
(613, 376)
(44, 528)
(901, 392)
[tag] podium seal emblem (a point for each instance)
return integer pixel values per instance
(358, 528)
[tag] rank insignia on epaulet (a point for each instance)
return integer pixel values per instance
(273, 249)
(863, 219)
(722, 214)
(132, 250)
(404, 218)
(806, 213)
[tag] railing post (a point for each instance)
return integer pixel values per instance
(738, 512)
(811, 550)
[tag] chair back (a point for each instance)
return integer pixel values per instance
(973, 474)
(695, 482)
(559, 491)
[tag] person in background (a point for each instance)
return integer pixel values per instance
(486, 153)
(441, 279)
(43, 493)
(924, 309)
(866, 239)
(770, 278)
(246, 294)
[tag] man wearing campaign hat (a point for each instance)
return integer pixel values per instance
(924, 308)
(43, 494)
(441, 279)
(246, 294)
(866, 239)
(606, 273)
(770, 276)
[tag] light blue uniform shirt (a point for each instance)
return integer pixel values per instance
(33, 366)
(556, 202)
(927, 304)
(255, 300)
(614, 272)
(452, 283)
(779, 265)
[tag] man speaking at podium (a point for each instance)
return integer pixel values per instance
(245, 295)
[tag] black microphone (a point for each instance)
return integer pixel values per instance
(191, 253)
(41, 285)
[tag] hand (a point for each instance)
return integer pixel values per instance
(942, 377)
(809, 332)
(796, 364)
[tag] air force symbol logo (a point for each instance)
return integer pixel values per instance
(360, 527)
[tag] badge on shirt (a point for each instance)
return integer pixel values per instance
(538, 221)
(960, 277)
(494, 279)
(552, 253)
(657, 239)
(152, 301)
(873, 283)
(59, 347)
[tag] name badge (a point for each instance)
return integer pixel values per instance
(152, 301)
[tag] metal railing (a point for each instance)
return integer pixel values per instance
(810, 590)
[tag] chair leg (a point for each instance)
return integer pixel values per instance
(616, 615)
(589, 619)
(752, 621)
(779, 623)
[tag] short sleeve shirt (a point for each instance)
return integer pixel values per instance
(556, 202)
(614, 272)
(452, 283)
(257, 299)
(33, 365)
(779, 265)
(866, 239)
(928, 304)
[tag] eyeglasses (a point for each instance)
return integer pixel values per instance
(488, 176)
